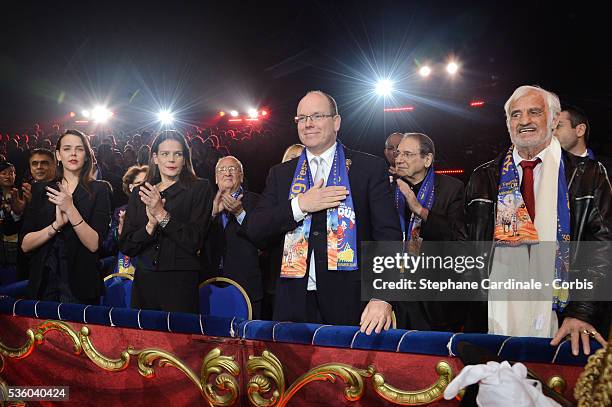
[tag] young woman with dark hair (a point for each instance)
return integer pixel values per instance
(64, 225)
(165, 224)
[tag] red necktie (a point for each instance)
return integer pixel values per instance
(527, 186)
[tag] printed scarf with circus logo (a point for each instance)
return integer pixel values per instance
(124, 264)
(425, 196)
(514, 226)
(341, 222)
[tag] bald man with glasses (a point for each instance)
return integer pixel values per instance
(318, 208)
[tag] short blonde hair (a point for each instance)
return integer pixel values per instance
(290, 149)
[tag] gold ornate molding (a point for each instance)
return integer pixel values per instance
(353, 377)
(217, 382)
(223, 392)
(106, 363)
(260, 383)
(557, 383)
(214, 363)
(416, 397)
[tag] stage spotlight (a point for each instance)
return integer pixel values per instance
(72, 114)
(384, 87)
(86, 113)
(452, 68)
(425, 71)
(252, 112)
(221, 113)
(264, 112)
(165, 117)
(234, 113)
(101, 114)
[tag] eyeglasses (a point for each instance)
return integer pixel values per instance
(317, 117)
(406, 154)
(230, 170)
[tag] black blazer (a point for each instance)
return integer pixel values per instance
(240, 255)
(175, 247)
(338, 292)
(446, 219)
(95, 208)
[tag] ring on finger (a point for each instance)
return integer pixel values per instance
(587, 332)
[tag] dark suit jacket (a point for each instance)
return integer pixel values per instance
(95, 208)
(338, 292)
(175, 247)
(445, 222)
(240, 255)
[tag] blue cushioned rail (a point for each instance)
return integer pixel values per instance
(394, 340)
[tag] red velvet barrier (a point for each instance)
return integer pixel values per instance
(54, 363)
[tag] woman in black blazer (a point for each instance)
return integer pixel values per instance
(165, 224)
(64, 225)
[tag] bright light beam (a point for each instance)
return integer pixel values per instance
(384, 87)
(425, 71)
(252, 113)
(101, 114)
(165, 117)
(452, 68)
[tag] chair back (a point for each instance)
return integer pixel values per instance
(223, 297)
(118, 290)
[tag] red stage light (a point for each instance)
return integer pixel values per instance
(252, 119)
(221, 113)
(264, 112)
(477, 103)
(72, 114)
(235, 120)
(399, 109)
(458, 171)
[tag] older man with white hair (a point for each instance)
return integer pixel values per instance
(548, 197)
(228, 252)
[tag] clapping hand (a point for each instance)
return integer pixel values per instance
(27, 191)
(62, 198)
(233, 205)
(411, 199)
(17, 203)
(218, 204)
(151, 197)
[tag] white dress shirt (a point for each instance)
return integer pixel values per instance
(327, 159)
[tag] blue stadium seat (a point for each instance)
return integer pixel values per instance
(15, 290)
(118, 290)
(223, 297)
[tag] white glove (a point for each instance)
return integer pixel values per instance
(500, 385)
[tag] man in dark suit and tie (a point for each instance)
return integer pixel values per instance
(320, 207)
(430, 207)
(228, 252)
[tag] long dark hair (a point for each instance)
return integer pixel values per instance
(86, 175)
(187, 175)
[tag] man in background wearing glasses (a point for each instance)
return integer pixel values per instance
(320, 207)
(391, 144)
(228, 252)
